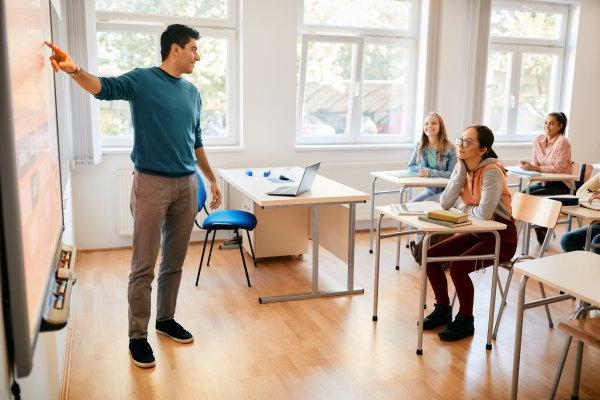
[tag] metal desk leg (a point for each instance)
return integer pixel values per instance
(488, 344)
(315, 248)
(376, 278)
(518, 336)
(527, 233)
(372, 214)
(399, 242)
(423, 293)
(351, 241)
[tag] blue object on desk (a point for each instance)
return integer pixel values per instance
(266, 172)
(249, 172)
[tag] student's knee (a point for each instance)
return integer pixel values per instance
(568, 243)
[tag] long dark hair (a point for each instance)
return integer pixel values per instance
(442, 143)
(485, 137)
(561, 118)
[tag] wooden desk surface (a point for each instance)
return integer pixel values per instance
(581, 212)
(409, 181)
(576, 273)
(477, 225)
(541, 176)
(324, 190)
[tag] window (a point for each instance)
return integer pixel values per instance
(357, 71)
(524, 69)
(128, 36)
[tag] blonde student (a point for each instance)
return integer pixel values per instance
(433, 156)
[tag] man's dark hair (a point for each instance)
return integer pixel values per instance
(176, 33)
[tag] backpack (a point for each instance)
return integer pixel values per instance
(416, 247)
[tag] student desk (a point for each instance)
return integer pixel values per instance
(586, 213)
(326, 195)
(576, 273)
(404, 183)
(530, 177)
(429, 229)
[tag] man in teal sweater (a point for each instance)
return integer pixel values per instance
(165, 110)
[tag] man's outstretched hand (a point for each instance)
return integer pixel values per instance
(61, 60)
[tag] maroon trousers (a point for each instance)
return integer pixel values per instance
(464, 244)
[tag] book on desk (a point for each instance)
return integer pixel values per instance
(444, 223)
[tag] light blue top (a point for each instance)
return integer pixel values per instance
(165, 111)
(430, 162)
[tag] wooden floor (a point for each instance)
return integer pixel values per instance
(312, 349)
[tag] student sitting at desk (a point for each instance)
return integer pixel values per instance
(481, 183)
(575, 240)
(551, 154)
(433, 156)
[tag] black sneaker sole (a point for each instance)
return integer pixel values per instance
(190, 340)
(455, 338)
(141, 364)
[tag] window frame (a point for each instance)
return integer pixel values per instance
(519, 46)
(128, 22)
(362, 37)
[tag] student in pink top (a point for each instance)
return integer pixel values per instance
(551, 154)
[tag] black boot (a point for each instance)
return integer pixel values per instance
(460, 328)
(441, 315)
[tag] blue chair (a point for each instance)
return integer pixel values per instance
(232, 220)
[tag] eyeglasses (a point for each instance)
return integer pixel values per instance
(463, 143)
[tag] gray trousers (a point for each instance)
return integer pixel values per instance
(167, 206)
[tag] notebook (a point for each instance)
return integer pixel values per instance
(592, 206)
(521, 171)
(444, 223)
(420, 208)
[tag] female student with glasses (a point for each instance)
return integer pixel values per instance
(478, 185)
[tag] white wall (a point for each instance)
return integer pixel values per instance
(583, 132)
(268, 31)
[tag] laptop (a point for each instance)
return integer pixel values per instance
(306, 182)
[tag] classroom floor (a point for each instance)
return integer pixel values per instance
(313, 349)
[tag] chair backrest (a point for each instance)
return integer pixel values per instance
(536, 210)
(201, 192)
(583, 171)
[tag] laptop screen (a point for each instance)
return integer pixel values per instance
(308, 178)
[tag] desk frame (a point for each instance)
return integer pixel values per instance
(315, 292)
(423, 286)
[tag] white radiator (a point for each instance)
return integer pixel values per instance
(124, 220)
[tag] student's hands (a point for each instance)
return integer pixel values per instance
(216, 196)
(594, 196)
(61, 60)
(424, 173)
(527, 166)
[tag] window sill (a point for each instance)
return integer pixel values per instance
(358, 146)
(209, 149)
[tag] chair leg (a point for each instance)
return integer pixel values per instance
(561, 366)
(251, 248)
(211, 247)
(577, 377)
(550, 324)
(239, 238)
(502, 303)
(202, 257)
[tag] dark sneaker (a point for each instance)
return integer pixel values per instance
(460, 328)
(173, 330)
(540, 235)
(141, 353)
(441, 315)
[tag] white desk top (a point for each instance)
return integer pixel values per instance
(576, 273)
(324, 190)
(581, 212)
(409, 181)
(541, 176)
(477, 225)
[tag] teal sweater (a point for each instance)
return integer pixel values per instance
(166, 119)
